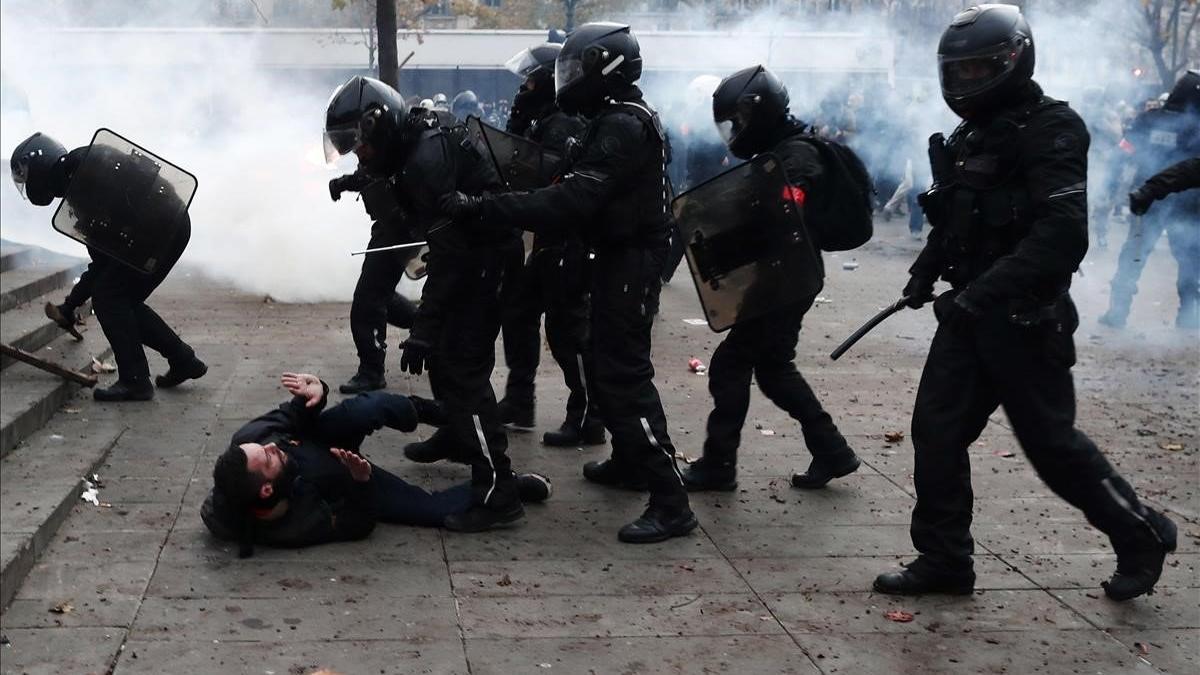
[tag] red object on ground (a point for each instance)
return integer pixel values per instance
(898, 615)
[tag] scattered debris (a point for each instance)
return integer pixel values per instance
(685, 603)
(505, 580)
(850, 265)
(1143, 648)
(64, 607)
(898, 615)
(767, 432)
(1144, 432)
(71, 411)
(697, 366)
(683, 458)
(545, 665)
(1004, 453)
(893, 436)
(91, 493)
(1173, 447)
(100, 367)
(267, 299)
(695, 322)
(822, 300)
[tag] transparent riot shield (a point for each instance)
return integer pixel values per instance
(521, 163)
(746, 244)
(125, 201)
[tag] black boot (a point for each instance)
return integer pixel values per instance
(572, 435)
(533, 488)
(658, 524)
(706, 474)
(479, 518)
(125, 391)
(919, 578)
(613, 474)
(64, 317)
(821, 471)
(1139, 568)
(363, 382)
(177, 374)
(428, 411)
(516, 416)
(436, 448)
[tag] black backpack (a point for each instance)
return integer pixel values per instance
(842, 219)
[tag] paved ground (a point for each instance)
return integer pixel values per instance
(777, 580)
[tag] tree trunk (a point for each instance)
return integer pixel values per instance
(385, 24)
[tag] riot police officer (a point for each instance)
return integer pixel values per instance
(615, 195)
(750, 108)
(454, 333)
(1009, 229)
(552, 281)
(42, 169)
(1159, 138)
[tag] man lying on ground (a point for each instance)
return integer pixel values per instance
(294, 477)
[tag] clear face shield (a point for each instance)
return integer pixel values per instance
(523, 64)
(974, 74)
(566, 73)
(341, 141)
(725, 129)
(20, 176)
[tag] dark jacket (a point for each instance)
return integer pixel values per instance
(614, 194)
(1178, 177)
(1011, 228)
(325, 505)
(440, 161)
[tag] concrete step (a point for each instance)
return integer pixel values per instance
(29, 397)
(21, 285)
(13, 256)
(26, 326)
(39, 484)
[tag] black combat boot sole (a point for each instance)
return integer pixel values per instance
(172, 378)
(108, 396)
(927, 587)
(458, 522)
(804, 482)
(350, 389)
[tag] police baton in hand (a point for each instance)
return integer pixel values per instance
(868, 327)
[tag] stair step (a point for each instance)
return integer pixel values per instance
(26, 326)
(42, 481)
(13, 256)
(19, 286)
(29, 397)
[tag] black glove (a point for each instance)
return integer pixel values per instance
(415, 357)
(960, 314)
(458, 205)
(1140, 201)
(336, 189)
(918, 290)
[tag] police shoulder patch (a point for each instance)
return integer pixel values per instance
(1065, 141)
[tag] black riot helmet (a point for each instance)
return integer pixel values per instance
(466, 103)
(31, 163)
(747, 108)
(598, 60)
(985, 58)
(535, 63)
(1185, 97)
(362, 111)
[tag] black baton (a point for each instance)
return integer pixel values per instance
(868, 326)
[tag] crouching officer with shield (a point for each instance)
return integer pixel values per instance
(129, 207)
(757, 267)
(1009, 230)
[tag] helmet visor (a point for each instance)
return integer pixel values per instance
(523, 64)
(725, 128)
(566, 73)
(968, 75)
(341, 141)
(20, 176)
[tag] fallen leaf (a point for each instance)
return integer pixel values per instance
(71, 411)
(64, 607)
(898, 615)
(893, 436)
(1173, 447)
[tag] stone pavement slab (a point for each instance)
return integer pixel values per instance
(777, 580)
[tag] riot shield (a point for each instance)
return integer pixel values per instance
(521, 163)
(746, 244)
(125, 201)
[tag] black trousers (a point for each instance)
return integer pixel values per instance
(1027, 370)
(119, 296)
(765, 348)
(460, 375)
(375, 300)
(625, 289)
(552, 282)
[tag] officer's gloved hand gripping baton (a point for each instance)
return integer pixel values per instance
(869, 326)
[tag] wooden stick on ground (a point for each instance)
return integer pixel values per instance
(85, 379)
